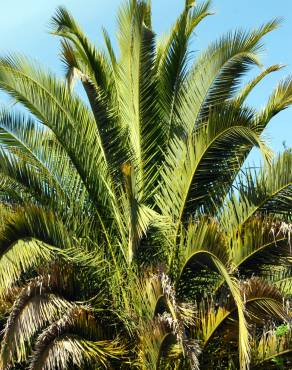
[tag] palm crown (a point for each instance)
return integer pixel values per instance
(131, 236)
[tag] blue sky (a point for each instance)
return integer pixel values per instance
(24, 28)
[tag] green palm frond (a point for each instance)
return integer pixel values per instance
(22, 170)
(265, 192)
(50, 101)
(21, 257)
(131, 234)
(20, 136)
(280, 99)
(173, 58)
(205, 161)
(216, 257)
(155, 338)
(34, 222)
(261, 300)
(138, 105)
(263, 241)
(84, 60)
(216, 73)
(243, 94)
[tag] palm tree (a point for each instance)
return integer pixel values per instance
(132, 236)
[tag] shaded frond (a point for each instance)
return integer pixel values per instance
(75, 337)
(34, 307)
(21, 257)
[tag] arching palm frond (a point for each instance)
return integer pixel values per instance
(220, 68)
(204, 162)
(243, 94)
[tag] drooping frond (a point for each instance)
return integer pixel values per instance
(35, 183)
(75, 338)
(38, 168)
(83, 59)
(263, 303)
(280, 99)
(37, 223)
(209, 248)
(70, 349)
(262, 241)
(23, 256)
(34, 308)
(263, 300)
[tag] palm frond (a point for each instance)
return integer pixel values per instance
(22, 257)
(138, 105)
(280, 99)
(217, 72)
(267, 191)
(84, 60)
(273, 345)
(261, 241)
(34, 222)
(20, 137)
(205, 161)
(216, 258)
(50, 101)
(173, 57)
(34, 308)
(243, 94)
(76, 338)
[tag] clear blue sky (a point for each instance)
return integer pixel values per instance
(24, 28)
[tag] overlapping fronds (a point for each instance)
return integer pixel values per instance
(131, 236)
(243, 94)
(71, 121)
(139, 110)
(274, 347)
(39, 168)
(83, 60)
